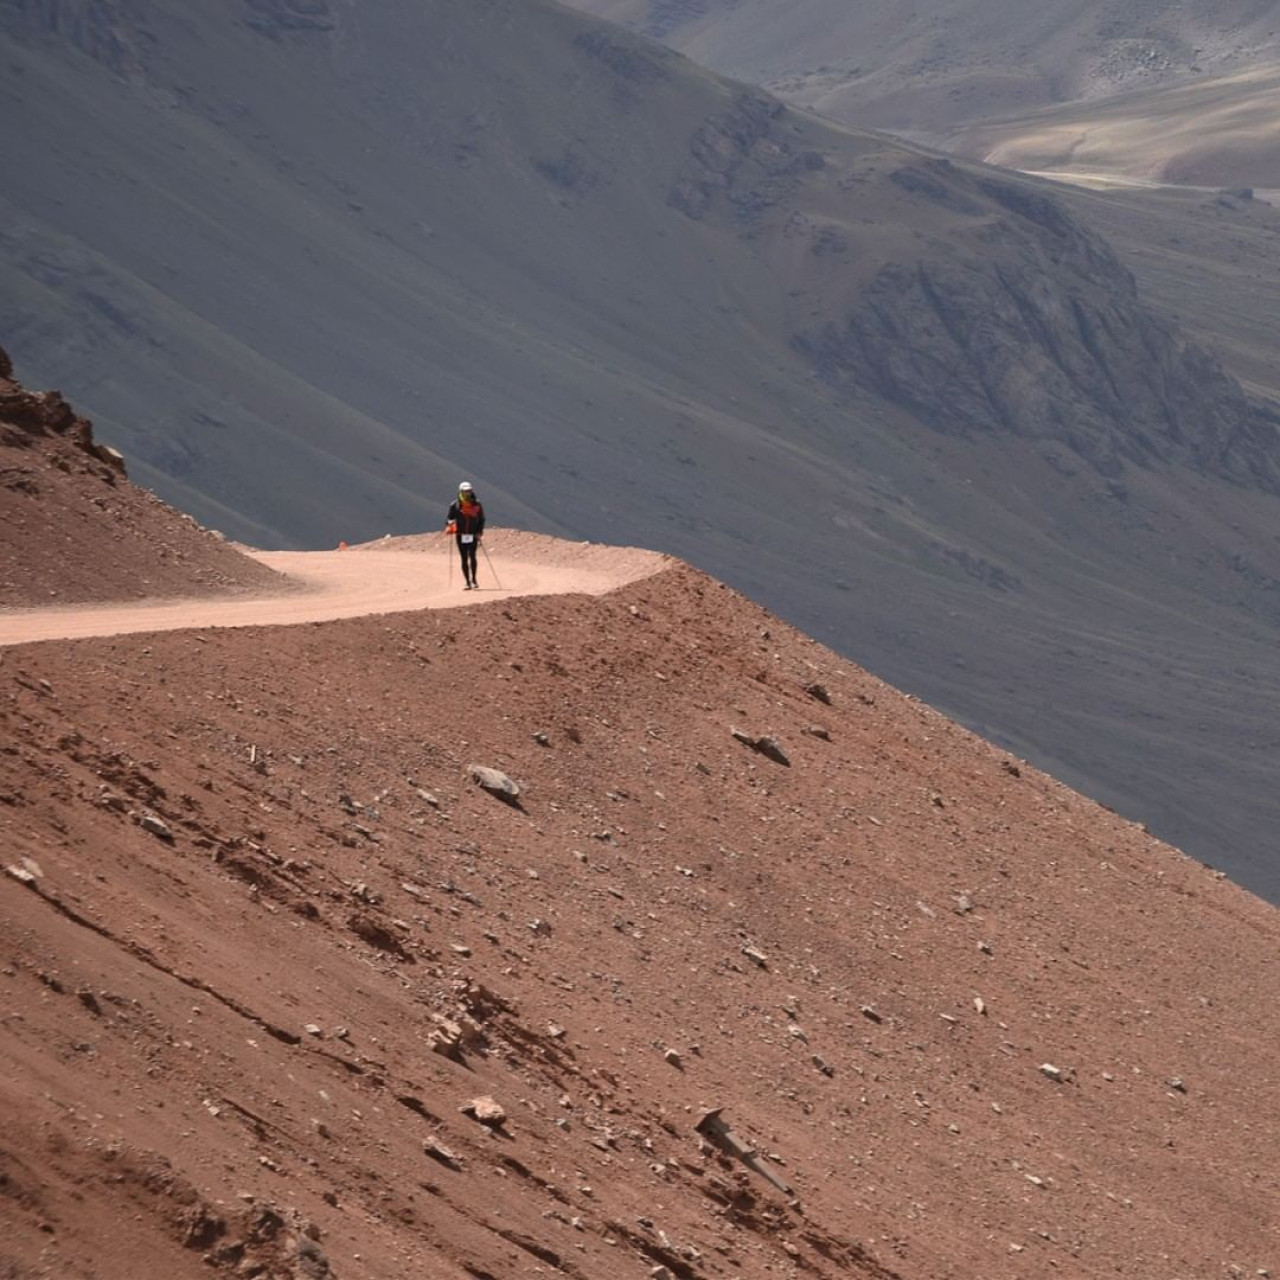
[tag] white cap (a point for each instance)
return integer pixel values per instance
(465, 487)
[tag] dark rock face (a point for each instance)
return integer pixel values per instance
(632, 59)
(281, 17)
(922, 180)
(1044, 338)
(720, 149)
(100, 28)
(570, 171)
(665, 16)
(1014, 319)
(1033, 206)
(27, 416)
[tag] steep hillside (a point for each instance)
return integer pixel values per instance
(267, 941)
(955, 61)
(1212, 258)
(73, 528)
(387, 285)
(308, 265)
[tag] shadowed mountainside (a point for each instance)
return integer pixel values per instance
(394, 255)
(272, 958)
(309, 264)
(1211, 258)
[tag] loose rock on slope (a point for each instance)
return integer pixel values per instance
(771, 925)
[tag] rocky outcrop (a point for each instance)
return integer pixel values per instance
(1041, 335)
(27, 417)
(634, 60)
(721, 147)
(999, 314)
(100, 28)
(666, 16)
(74, 528)
(277, 18)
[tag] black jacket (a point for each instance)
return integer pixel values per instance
(467, 519)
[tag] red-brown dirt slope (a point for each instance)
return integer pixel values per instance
(73, 528)
(265, 939)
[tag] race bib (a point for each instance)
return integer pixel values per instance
(468, 537)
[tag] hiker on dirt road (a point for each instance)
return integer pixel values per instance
(466, 523)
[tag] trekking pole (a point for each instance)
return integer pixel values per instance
(490, 564)
(448, 555)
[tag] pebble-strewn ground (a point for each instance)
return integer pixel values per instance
(263, 939)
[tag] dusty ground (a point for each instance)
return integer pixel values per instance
(393, 575)
(1215, 132)
(218, 1034)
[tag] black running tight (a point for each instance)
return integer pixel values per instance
(467, 550)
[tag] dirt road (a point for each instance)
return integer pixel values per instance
(395, 575)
